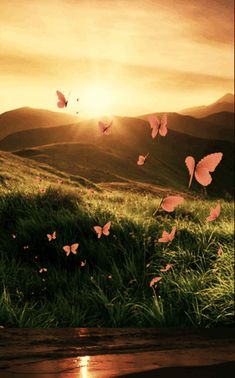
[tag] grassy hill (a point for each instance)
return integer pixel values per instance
(113, 158)
(29, 118)
(113, 288)
(223, 104)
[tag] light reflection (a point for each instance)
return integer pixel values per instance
(82, 363)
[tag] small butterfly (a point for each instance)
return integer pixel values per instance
(83, 263)
(141, 159)
(62, 103)
(60, 181)
(214, 213)
(167, 237)
(105, 129)
(169, 203)
(203, 168)
(102, 230)
(71, 249)
(110, 277)
(42, 270)
(168, 267)
(155, 280)
(26, 247)
(157, 125)
(38, 178)
(51, 236)
(220, 252)
(13, 236)
(42, 190)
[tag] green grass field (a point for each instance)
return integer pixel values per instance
(112, 289)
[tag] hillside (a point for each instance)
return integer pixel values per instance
(223, 104)
(29, 118)
(113, 158)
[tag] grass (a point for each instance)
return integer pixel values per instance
(112, 289)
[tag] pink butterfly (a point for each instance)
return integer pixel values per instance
(155, 280)
(38, 178)
(214, 213)
(62, 103)
(43, 270)
(105, 129)
(83, 263)
(203, 168)
(157, 125)
(71, 249)
(168, 267)
(167, 237)
(169, 203)
(51, 236)
(220, 252)
(141, 159)
(102, 230)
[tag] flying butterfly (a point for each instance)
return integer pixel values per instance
(170, 203)
(141, 159)
(71, 248)
(203, 168)
(167, 237)
(62, 102)
(102, 230)
(51, 236)
(154, 281)
(158, 126)
(214, 213)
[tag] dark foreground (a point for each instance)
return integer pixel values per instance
(106, 353)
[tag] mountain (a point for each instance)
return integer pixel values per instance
(29, 118)
(112, 158)
(223, 104)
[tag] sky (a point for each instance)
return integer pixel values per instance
(118, 57)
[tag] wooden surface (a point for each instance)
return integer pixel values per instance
(106, 353)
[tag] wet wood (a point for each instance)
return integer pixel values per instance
(106, 353)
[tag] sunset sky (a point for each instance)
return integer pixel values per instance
(119, 57)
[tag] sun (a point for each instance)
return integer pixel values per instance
(96, 101)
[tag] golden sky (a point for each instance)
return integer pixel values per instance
(120, 57)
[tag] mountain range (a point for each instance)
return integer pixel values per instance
(79, 149)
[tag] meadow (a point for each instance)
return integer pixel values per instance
(113, 288)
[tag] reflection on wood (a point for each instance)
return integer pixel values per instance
(106, 353)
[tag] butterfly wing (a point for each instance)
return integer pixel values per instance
(106, 228)
(164, 238)
(98, 230)
(154, 124)
(214, 213)
(190, 164)
(74, 248)
(102, 126)
(154, 280)
(163, 126)
(172, 234)
(49, 237)
(62, 103)
(141, 160)
(169, 203)
(205, 166)
(67, 249)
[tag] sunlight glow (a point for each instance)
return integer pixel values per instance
(96, 101)
(83, 365)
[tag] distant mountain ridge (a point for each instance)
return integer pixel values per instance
(29, 118)
(223, 104)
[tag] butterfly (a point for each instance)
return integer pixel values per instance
(51, 236)
(168, 267)
(26, 247)
(169, 203)
(71, 249)
(220, 252)
(141, 159)
(13, 236)
(102, 230)
(105, 129)
(214, 213)
(43, 270)
(83, 263)
(62, 103)
(155, 280)
(60, 181)
(38, 178)
(203, 168)
(167, 237)
(157, 125)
